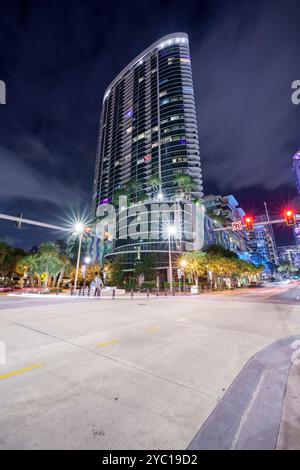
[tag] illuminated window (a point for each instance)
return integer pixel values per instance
(129, 114)
(141, 79)
(185, 60)
(163, 93)
(129, 130)
(179, 159)
(187, 89)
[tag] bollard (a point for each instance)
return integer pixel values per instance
(157, 292)
(132, 293)
(71, 292)
(148, 293)
(173, 291)
(166, 292)
(114, 293)
(89, 292)
(99, 292)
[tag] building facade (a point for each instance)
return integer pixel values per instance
(296, 170)
(148, 129)
(148, 122)
(262, 240)
(226, 207)
(296, 174)
(289, 255)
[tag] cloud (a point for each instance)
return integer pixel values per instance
(30, 179)
(243, 69)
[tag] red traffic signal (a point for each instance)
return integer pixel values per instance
(249, 222)
(289, 217)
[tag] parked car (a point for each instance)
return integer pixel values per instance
(5, 289)
(254, 284)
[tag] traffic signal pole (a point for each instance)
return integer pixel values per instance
(270, 222)
(32, 222)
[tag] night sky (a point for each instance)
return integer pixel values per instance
(57, 58)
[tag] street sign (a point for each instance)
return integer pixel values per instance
(44, 276)
(237, 225)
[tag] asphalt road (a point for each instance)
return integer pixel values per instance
(150, 374)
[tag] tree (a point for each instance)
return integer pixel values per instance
(197, 264)
(115, 271)
(119, 193)
(185, 183)
(154, 183)
(46, 260)
(287, 268)
(9, 256)
(219, 218)
(220, 250)
(220, 263)
(146, 266)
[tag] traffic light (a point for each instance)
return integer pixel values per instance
(289, 217)
(249, 223)
(19, 222)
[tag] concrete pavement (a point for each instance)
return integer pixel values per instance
(127, 374)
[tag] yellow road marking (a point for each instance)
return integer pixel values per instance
(20, 371)
(108, 343)
(154, 329)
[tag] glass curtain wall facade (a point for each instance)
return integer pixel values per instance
(148, 123)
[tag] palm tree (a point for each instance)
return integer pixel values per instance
(185, 183)
(154, 183)
(119, 193)
(9, 256)
(134, 189)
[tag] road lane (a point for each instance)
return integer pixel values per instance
(154, 388)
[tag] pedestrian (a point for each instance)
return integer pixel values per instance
(98, 284)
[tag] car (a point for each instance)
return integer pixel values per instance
(5, 289)
(255, 284)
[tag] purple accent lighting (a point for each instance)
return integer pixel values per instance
(129, 114)
(105, 201)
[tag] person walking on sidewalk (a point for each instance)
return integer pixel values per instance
(98, 285)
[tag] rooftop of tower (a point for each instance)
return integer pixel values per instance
(159, 44)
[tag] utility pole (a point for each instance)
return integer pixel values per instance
(270, 235)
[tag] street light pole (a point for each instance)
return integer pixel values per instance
(170, 264)
(78, 261)
(87, 261)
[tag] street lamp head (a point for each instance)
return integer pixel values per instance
(87, 259)
(183, 263)
(160, 196)
(78, 227)
(171, 230)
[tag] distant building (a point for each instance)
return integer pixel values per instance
(226, 207)
(296, 170)
(234, 241)
(296, 174)
(262, 241)
(224, 210)
(289, 255)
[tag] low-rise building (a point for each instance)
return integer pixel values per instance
(289, 255)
